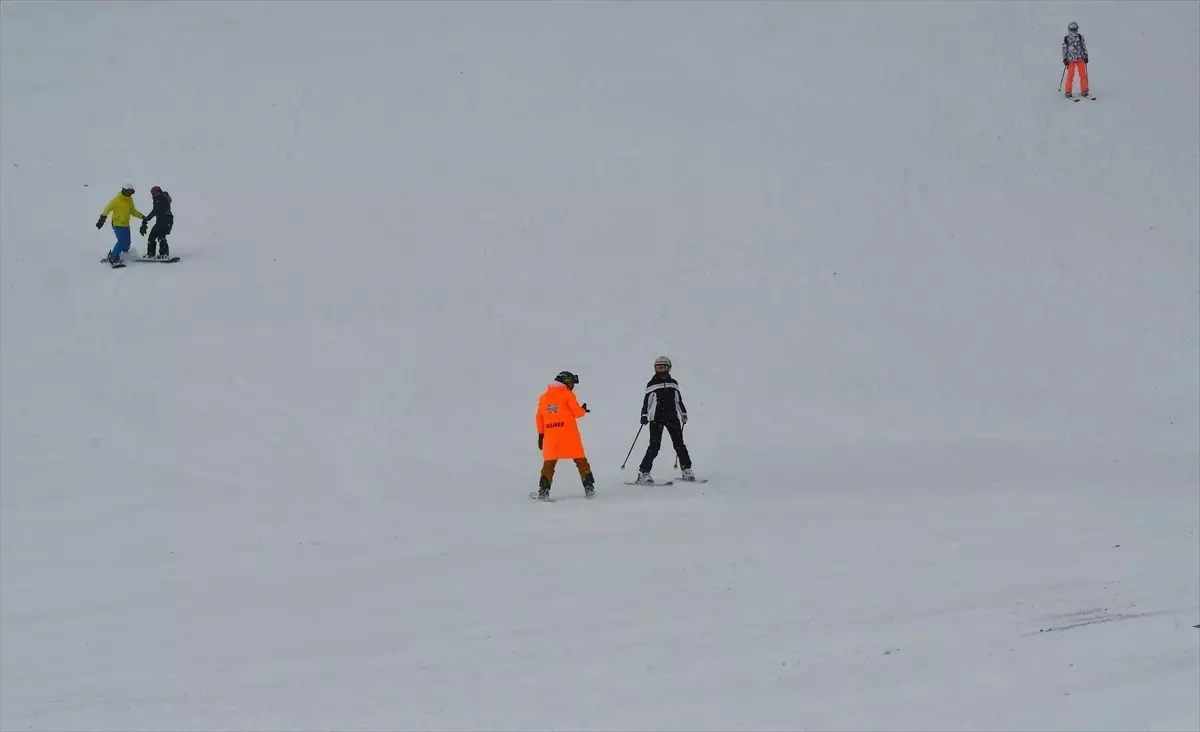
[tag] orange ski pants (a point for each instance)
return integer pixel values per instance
(581, 464)
(1072, 67)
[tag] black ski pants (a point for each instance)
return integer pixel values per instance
(158, 236)
(675, 430)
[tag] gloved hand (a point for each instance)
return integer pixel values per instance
(584, 405)
(1085, 60)
(644, 420)
(540, 438)
(100, 222)
(685, 419)
(1066, 62)
(142, 230)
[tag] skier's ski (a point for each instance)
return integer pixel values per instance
(533, 495)
(697, 480)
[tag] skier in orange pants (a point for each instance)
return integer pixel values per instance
(1075, 58)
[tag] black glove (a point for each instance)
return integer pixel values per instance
(1066, 62)
(142, 230)
(644, 420)
(540, 438)
(1085, 60)
(685, 419)
(100, 222)
(586, 409)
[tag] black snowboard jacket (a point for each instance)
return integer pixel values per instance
(162, 208)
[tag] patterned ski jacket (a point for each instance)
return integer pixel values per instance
(1074, 48)
(663, 401)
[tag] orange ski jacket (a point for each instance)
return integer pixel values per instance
(558, 413)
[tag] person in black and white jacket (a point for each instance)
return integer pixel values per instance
(662, 408)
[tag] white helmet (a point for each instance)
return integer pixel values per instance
(662, 361)
(1072, 26)
(128, 187)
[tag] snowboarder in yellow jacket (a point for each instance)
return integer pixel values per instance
(121, 208)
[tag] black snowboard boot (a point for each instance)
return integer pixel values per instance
(543, 489)
(589, 486)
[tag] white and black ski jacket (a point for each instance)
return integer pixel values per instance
(663, 401)
(1074, 48)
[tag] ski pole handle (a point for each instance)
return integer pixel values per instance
(635, 439)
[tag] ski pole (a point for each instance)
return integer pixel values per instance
(635, 439)
(1060, 79)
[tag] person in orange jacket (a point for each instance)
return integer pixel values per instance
(557, 418)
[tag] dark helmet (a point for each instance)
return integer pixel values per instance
(568, 378)
(155, 191)
(1072, 26)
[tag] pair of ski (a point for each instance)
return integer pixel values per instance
(534, 494)
(669, 482)
(121, 263)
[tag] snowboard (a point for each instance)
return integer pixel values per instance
(118, 265)
(649, 485)
(157, 261)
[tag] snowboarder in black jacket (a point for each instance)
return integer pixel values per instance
(662, 408)
(162, 227)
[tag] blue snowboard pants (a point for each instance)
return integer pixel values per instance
(122, 245)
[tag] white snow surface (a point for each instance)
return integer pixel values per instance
(938, 330)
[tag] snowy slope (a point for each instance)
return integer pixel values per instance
(938, 330)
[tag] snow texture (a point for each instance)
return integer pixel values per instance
(938, 331)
